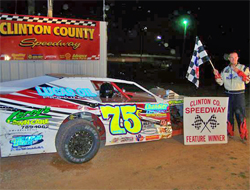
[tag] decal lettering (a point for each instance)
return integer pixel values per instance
(31, 122)
(7, 28)
(152, 137)
(26, 140)
(26, 148)
(171, 102)
(156, 108)
(33, 42)
(35, 127)
(56, 91)
(127, 113)
(19, 116)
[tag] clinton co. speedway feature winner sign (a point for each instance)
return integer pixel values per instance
(205, 120)
(44, 38)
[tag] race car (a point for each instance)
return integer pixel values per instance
(73, 115)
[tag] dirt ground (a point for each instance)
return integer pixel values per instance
(164, 164)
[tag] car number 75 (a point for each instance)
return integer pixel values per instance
(130, 121)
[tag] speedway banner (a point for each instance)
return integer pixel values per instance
(205, 120)
(44, 38)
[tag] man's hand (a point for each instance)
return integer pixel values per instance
(216, 72)
(240, 73)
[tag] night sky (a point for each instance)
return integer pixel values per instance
(222, 26)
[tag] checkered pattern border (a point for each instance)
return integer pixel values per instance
(46, 20)
(93, 57)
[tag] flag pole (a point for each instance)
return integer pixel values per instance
(211, 64)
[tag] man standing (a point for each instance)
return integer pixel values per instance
(234, 77)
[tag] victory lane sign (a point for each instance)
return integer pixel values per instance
(205, 120)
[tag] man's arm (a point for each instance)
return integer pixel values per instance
(243, 74)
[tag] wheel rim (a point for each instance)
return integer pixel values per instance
(80, 144)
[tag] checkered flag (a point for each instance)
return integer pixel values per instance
(213, 122)
(199, 57)
(198, 122)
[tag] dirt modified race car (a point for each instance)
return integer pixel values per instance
(72, 115)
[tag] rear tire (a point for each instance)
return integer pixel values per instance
(77, 141)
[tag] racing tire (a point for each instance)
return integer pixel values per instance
(77, 141)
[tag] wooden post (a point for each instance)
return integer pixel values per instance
(50, 8)
(31, 7)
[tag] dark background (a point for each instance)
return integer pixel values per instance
(222, 26)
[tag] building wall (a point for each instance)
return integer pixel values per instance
(22, 69)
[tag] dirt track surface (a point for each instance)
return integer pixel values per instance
(165, 164)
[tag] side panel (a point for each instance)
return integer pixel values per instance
(131, 123)
(28, 130)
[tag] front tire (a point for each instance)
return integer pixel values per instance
(77, 141)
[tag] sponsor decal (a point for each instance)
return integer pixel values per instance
(60, 91)
(37, 56)
(165, 131)
(79, 57)
(67, 56)
(115, 140)
(26, 140)
(155, 114)
(148, 128)
(152, 137)
(19, 56)
(173, 102)
(27, 148)
(30, 122)
(35, 127)
(139, 137)
(62, 56)
(164, 122)
(50, 57)
(155, 108)
(127, 139)
(17, 116)
(122, 139)
(123, 119)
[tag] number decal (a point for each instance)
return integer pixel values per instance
(127, 113)
(113, 113)
(131, 121)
